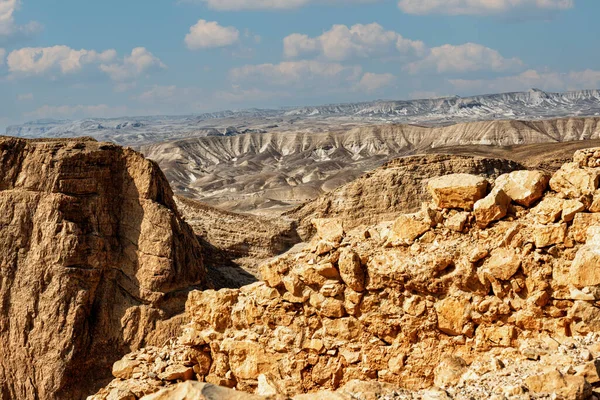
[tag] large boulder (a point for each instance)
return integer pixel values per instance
(491, 208)
(523, 187)
(457, 190)
(573, 181)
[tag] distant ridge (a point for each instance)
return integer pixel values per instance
(534, 104)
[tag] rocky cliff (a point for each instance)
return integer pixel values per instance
(95, 256)
(490, 289)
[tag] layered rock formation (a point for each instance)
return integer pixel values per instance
(498, 300)
(398, 186)
(95, 256)
(276, 171)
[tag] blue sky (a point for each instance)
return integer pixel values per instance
(73, 59)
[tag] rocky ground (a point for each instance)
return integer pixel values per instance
(490, 290)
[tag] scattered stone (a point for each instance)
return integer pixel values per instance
(449, 371)
(124, 368)
(457, 222)
(492, 208)
(457, 190)
(329, 229)
(553, 382)
(351, 270)
(406, 229)
(573, 181)
(523, 187)
(453, 314)
(503, 263)
(549, 235)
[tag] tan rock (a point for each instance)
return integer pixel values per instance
(351, 270)
(549, 235)
(590, 371)
(585, 269)
(553, 382)
(453, 314)
(457, 190)
(492, 208)
(595, 206)
(581, 223)
(586, 317)
(177, 372)
(200, 391)
(503, 263)
(523, 187)
(329, 229)
(495, 336)
(570, 208)
(124, 368)
(457, 222)
(587, 157)
(407, 228)
(573, 181)
(449, 371)
(548, 210)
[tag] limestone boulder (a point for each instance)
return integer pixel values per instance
(491, 208)
(449, 371)
(407, 228)
(503, 263)
(587, 157)
(548, 210)
(549, 235)
(200, 391)
(554, 382)
(523, 187)
(585, 269)
(351, 270)
(581, 223)
(573, 181)
(457, 222)
(329, 229)
(457, 190)
(453, 315)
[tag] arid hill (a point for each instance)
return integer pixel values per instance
(277, 171)
(490, 290)
(96, 262)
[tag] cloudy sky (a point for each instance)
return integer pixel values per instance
(72, 58)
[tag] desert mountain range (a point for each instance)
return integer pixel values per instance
(374, 260)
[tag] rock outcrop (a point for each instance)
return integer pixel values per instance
(480, 311)
(398, 186)
(95, 258)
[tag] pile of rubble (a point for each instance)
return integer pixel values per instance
(490, 290)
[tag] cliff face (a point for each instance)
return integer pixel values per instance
(94, 256)
(398, 186)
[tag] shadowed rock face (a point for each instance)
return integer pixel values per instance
(94, 257)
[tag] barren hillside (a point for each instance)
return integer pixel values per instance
(274, 172)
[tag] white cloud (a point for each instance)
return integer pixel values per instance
(359, 41)
(25, 97)
(302, 74)
(236, 5)
(7, 20)
(371, 82)
(209, 34)
(78, 111)
(468, 57)
(40, 60)
(546, 80)
(134, 65)
(479, 7)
